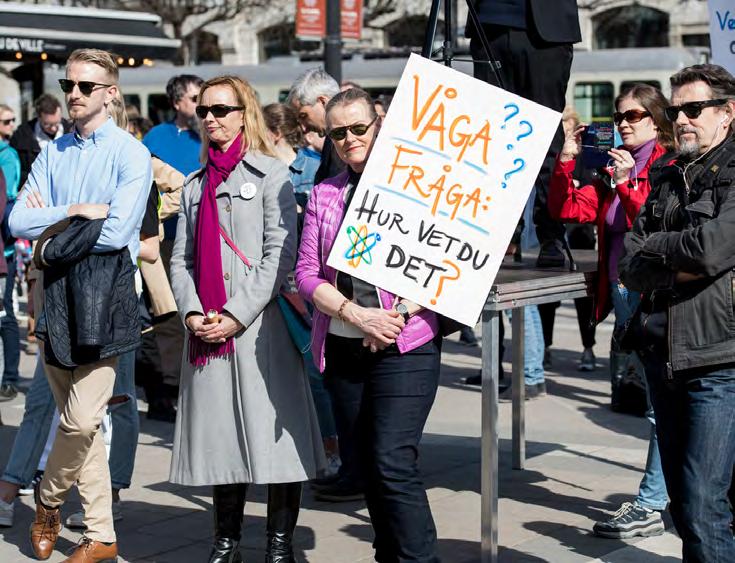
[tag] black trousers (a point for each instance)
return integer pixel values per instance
(395, 393)
(538, 71)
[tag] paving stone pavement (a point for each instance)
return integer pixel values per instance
(583, 461)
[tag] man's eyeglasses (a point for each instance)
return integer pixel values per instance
(692, 109)
(357, 129)
(85, 86)
(7, 121)
(631, 116)
(218, 110)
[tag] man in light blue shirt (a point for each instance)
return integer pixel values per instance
(97, 171)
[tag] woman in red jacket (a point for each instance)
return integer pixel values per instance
(612, 201)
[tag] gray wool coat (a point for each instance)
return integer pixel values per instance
(249, 418)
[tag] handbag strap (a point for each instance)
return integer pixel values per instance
(234, 247)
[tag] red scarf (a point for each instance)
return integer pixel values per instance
(208, 278)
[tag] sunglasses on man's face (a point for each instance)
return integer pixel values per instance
(218, 110)
(692, 109)
(85, 86)
(7, 121)
(631, 116)
(357, 129)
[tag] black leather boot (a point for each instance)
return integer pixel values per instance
(229, 502)
(284, 500)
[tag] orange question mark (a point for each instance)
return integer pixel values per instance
(442, 279)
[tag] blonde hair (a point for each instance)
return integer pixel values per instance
(116, 110)
(97, 57)
(254, 130)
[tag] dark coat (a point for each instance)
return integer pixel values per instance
(554, 21)
(3, 204)
(90, 306)
(25, 144)
(692, 232)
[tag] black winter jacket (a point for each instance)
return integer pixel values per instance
(25, 144)
(90, 307)
(694, 232)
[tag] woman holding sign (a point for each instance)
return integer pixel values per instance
(612, 201)
(245, 410)
(384, 350)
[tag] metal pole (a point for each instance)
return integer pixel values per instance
(333, 41)
(489, 439)
(519, 388)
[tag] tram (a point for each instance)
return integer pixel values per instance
(596, 77)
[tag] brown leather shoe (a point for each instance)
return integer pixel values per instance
(90, 551)
(45, 531)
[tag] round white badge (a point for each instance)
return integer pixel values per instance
(247, 190)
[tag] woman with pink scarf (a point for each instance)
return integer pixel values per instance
(245, 410)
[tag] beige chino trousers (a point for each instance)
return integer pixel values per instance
(78, 455)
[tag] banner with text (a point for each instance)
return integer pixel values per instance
(445, 185)
(311, 19)
(722, 33)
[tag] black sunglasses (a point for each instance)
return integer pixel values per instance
(7, 121)
(631, 116)
(692, 109)
(218, 110)
(357, 129)
(85, 86)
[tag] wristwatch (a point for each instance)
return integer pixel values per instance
(403, 310)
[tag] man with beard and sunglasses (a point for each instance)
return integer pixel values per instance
(177, 143)
(681, 254)
(98, 171)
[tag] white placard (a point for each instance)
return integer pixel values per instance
(722, 33)
(444, 187)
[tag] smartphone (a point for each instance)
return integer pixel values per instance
(597, 139)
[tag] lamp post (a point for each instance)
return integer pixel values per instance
(333, 41)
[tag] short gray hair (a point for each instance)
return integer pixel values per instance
(310, 85)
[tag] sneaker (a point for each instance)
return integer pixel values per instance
(629, 521)
(340, 491)
(532, 392)
(7, 511)
(30, 487)
(541, 389)
(467, 337)
(76, 520)
(587, 362)
(551, 255)
(8, 392)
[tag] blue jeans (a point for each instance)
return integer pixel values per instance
(39, 411)
(9, 329)
(533, 365)
(652, 490)
(322, 402)
(32, 432)
(125, 424)
(395, 393)
(696, 434)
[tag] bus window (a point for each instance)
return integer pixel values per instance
(132, 100)
(159, 110)
(628, 83)
(594, 100)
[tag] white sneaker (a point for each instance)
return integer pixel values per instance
(76, 520)
(7, 511)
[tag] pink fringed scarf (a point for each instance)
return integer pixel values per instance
(208, 278)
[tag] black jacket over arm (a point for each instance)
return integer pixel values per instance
(90, 307)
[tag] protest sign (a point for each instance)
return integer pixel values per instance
(722, 33)
(443, 189)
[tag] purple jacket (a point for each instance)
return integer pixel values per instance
(324, 214)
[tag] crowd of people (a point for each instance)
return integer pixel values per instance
(210, 235)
